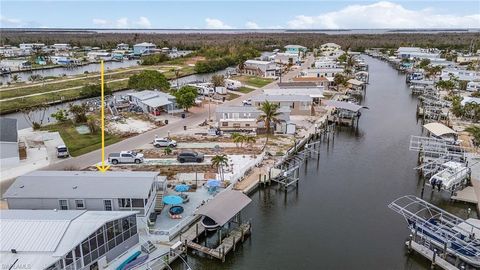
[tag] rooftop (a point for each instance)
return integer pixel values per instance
(41, 237)
(82, 184)
(291, 98)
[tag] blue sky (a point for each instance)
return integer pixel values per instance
(241, 14)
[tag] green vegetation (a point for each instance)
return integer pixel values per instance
(218, 80)
(245, 89)
(186, 96)
(254, 81)
(154, 59)
(60, 115)
(219, 58)
(424, 63)
(219, 161)
(149, 79)
(269, 116)
(475, 132)
(93, 90)
(79, 144)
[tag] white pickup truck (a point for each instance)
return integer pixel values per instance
(125, 157)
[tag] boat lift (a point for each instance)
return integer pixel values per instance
(434, 228)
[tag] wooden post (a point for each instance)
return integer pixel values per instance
(196, 232)
(445, 250)
(234, 243)
(223, 254)
(410, 244)
(186, 246)
(241, 229)
(433, 258)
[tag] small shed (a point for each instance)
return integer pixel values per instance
(223, 207)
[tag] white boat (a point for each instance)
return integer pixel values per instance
(452, 174)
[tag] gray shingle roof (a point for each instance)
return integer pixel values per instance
(8, 130)
(82, 184)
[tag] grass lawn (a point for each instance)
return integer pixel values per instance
(231, 96)
(79, 144)
(245, 89)
(254, 81)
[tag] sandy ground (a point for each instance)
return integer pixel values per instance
(131, 125)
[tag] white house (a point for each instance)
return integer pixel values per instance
(461, 74)
(144, 48)
(86, 190)
(473, 86)
(123, 47)
(325, 62)
(9, 155)
(321, 72)
(417, 52)
(286, 58)
(61, 46)
(15, 64)
(259, 68)
(245, 118)
(31, 46)
(154, 102)
(99, 55)
(74, 239)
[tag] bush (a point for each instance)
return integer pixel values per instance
(154, 59)
(149, 79)
(93, 90)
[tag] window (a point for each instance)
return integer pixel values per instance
(247, 125)
(137, 203)
(126, 203)
(107, 205)
(224, 124)
(80, 204)
(63, 204)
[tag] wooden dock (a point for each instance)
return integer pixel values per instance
(427, 253)
(227, 244)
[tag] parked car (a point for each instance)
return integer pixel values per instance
(125, 157)
(190, 156)
(62, 151)
(247, 102)
(164, 142)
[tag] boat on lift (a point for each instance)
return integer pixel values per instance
(450, 176)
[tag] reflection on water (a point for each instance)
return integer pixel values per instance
(338, 217)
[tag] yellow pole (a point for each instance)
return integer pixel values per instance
(102, 168)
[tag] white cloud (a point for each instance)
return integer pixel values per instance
(252, 25)
(216, 24)
(143, 22)
(384, 14)
(100, 22)
(16, 23)
(121, 23)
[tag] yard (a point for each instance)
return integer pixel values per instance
(245, 89)
(254, 81)
(79, 144)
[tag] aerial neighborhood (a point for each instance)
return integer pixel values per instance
(131, 155)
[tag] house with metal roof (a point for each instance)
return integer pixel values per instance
(298, 104)
(266, 69)
(9, 155)
(144, 48)
(154, 102)
(245, 119)
(74, 239)
(86, 190)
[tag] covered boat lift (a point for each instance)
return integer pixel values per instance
(222, 211)
(346, 113)
(440, 131)
(445, 239)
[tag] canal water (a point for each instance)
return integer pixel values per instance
(338, 217)
(60, 71)
(23, 123)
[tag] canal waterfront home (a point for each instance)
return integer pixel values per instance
(144, 48)
(298, 104)
(316, 93)
(265, 69)
(417, 52)
(245, 119)
(86, 190)
(16, 64)
(154, 102)
(321, 72)
(319, 81)
(72, 239)
(296, 49)
(123, 47)
(99, 55)
(9, 154)
(286, 58)
(461, 74)
(61, 47)
(330, 47)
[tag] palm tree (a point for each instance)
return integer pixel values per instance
(238, 138)
(475, 132)
(269, 115)
(219, 161)
(250, 140)
(218, 80)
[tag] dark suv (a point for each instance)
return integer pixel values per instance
(190, 156)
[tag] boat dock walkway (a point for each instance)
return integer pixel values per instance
(427, 253)
(227, 244)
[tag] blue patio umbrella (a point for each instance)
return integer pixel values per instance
(213, 183)
(172, 199)
(182, 188)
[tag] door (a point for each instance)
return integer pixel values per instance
(107, 205)
(127, 158)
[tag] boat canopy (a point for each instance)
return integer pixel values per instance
(224, 206)
(439, 129)
(344, 105)
(355, 82)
